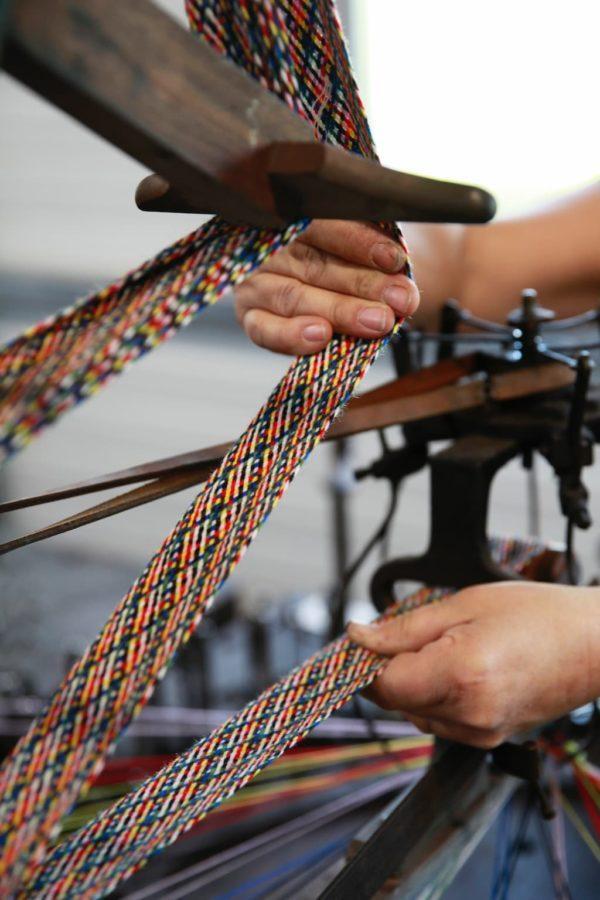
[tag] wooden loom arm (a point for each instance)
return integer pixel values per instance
(393, 410)
(415, 383)
(219, 141)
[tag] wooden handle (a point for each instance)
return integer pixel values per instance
(297, 180)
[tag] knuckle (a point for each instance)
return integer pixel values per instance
(339, 312)
(244, 296)
(362, 284)
(414, 297)
(483, 668)
(405, 632)
(315, 263)
(485, 716)
(240, 305)
(488, 741)
(448, 641)
(288, 297)
(478, 669)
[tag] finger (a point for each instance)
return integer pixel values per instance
(313, 266)
(415, 682)
(290, 298)
(411, 630)
(299, 336)
(357, 242)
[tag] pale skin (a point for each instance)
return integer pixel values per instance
(492, 660)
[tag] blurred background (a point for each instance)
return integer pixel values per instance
(501, 95)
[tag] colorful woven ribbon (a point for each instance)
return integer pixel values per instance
(114, 845)
(118, 842)
(295, 48)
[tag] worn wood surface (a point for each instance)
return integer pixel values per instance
(220, 141)
(320, 181)
(137, 78)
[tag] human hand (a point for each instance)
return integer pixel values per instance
(489, 661)
(342, 277)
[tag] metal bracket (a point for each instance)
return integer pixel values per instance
(524, 761)
(458, 554)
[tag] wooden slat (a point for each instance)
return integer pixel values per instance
(135, 76)
(321, 181)
(414, 383)
(154, 490)
(176, 473)
(442, 373)
(220, 141)
(420, 395)
(394, 407)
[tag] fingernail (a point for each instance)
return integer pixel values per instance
(375, 319)
(396, 297)
(315, 334)
(388, 257)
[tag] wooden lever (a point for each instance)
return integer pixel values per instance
(309, 180)
(218, 140)
(447, 387)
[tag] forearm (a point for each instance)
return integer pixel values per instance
(583, 685)
(555, 250)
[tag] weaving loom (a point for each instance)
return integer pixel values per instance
(294, 49)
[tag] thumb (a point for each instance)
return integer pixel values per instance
(407, 632)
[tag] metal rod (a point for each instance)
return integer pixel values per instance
(417, 820)
(264, 843)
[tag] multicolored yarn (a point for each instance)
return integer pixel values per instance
(63, 360)
(299, 773)
(114, 845)
(295, 48)
(118, 842)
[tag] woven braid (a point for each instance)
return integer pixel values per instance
(63, 360)
(66, 745)
(118, 842)
(114, 845)
(296, 53)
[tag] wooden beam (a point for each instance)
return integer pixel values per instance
(217, 139)
(399, 402)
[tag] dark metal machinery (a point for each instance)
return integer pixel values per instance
(444, 816)
(562, 426)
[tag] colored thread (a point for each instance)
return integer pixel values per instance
(117, 843)
(294, 48)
